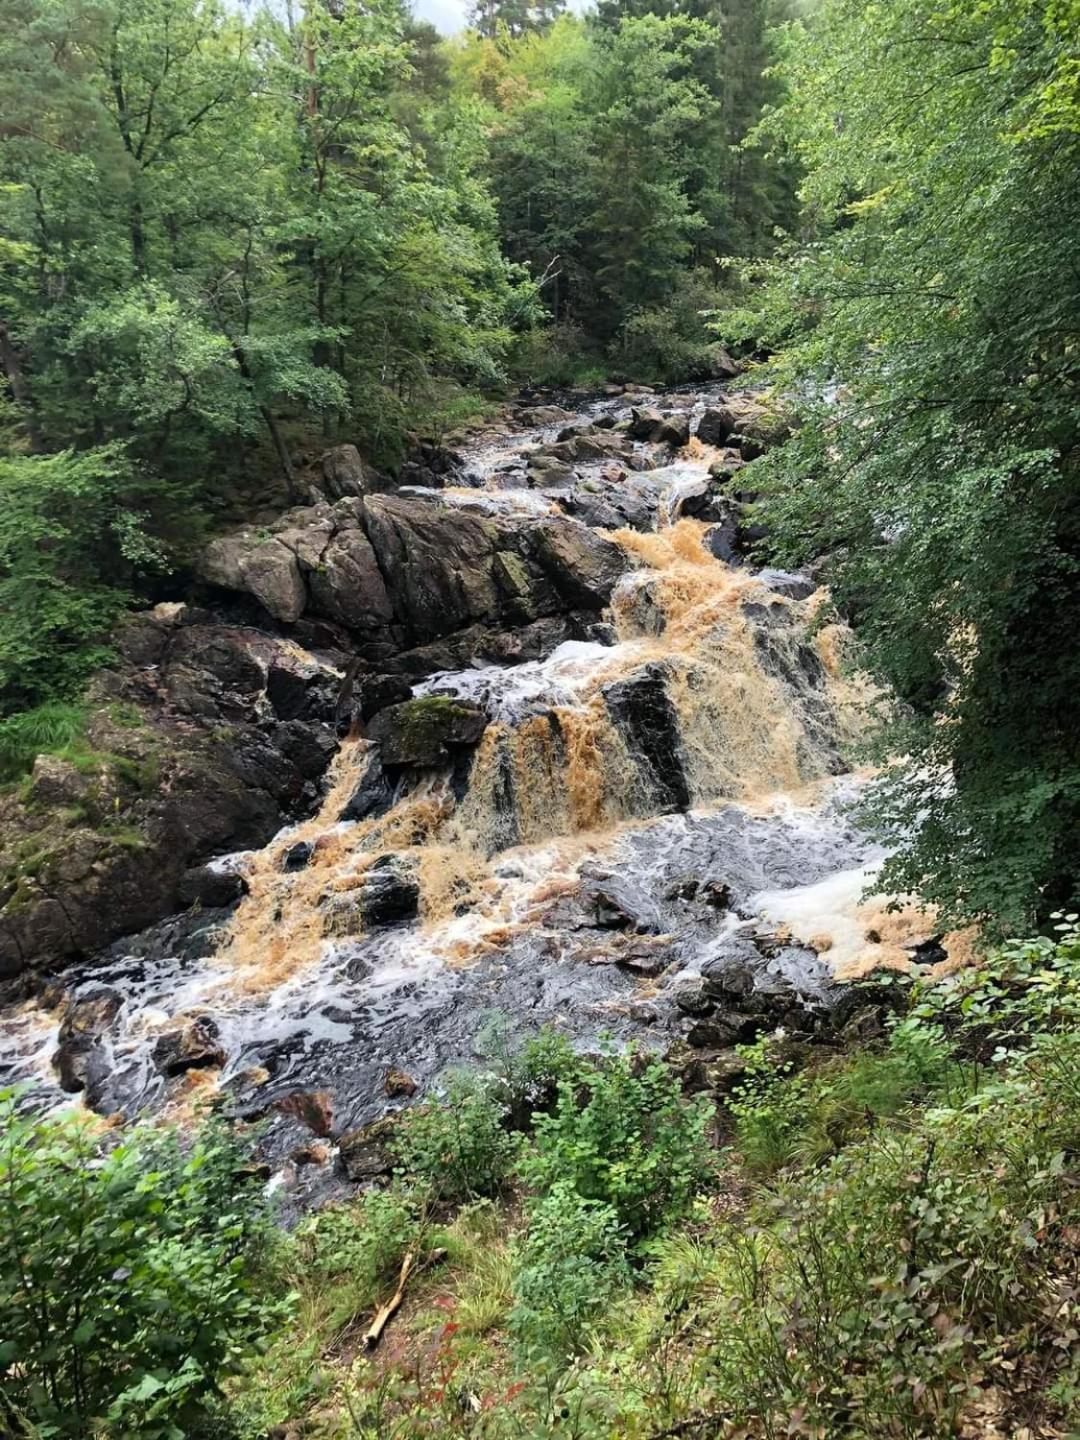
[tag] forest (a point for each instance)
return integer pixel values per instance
(433, 470)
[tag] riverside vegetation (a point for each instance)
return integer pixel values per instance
(885, 1243)
(235, 242)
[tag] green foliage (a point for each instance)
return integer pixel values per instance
(928, 336)
(72, 534)
(569, 1265)
(354, 1252)
(670, 343)
(129, 1277)
(783, 1115)
(622, 1136)
(48, 728)
(458, 1147)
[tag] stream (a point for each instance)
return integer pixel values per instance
(654, 821)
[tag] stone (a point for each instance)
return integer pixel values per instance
(582, 565)
(194, 1045)
(57, 783)
(724, 365)
(78, 1046)
(674, 431)
(297, 857)
(424, 732)
(398, 1084)
(790, 583)
(365, 1154)
(645, 422)
(388, 893)
(690, 997)
(716, 426)
(313, 1108)
(211, 886)
(349, 585)
(344, 473)
(715, 1033)
(373, 795)
(272, 574)
(378, 692)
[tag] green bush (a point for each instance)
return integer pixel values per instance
(671, 343)
(129, 1278)
(570, 1263)
(458, 1147)
(781, 1116)
(624, 1137)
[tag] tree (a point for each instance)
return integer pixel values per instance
(929, 329)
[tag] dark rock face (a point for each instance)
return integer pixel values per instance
(191, 767)
(648, 722)
(675, 431)
(716, 425)
(80, 1061)
(345, 473)
(401, 571)
(211, 887)
(373, 796)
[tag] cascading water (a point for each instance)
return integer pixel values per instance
(638, 812)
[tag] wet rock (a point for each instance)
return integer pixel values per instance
(309, 748)
(645, 422)
(313, 1108)
(722, 541)
(674, 431)
(581, 565)
(388, 894)
(546, 472)
(213, 887)
(716, 425)
(398, 1084)
(79, 1060)
(286, 689)
(642, 710)
(720, 1031)
(374, 794)
(298, 856)
(426, 731)
(690, 995)
(794, 585)
(541, 416)
(645, 954)
(193, 1046)
(378, 692)
(365, 1154)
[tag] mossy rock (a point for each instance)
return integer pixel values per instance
(425, 732)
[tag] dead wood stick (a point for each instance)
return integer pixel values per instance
(384, 1314)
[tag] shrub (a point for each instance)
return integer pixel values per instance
(357, 1250)
(128, 1277)
(623, 1136)
(671, 342)
(571, 1261)
(458, 1146)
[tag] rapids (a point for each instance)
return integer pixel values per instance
(644, 811)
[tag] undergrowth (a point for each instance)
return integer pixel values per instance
(887, 1245)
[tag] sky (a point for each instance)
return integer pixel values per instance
(448, 16)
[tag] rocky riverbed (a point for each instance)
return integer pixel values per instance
(521, 739)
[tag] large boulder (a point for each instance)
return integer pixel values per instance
(423, 733)
(264, 567)
(344, 473)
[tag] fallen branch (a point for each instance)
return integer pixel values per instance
(384, 1314)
